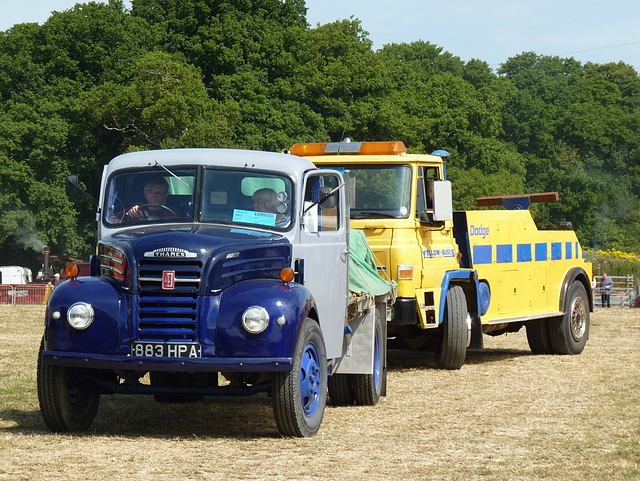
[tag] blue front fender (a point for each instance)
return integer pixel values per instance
(103, 335)
(287, 304)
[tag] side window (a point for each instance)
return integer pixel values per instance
(428, 175)
(322, 211)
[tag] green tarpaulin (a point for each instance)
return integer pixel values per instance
(363, 273)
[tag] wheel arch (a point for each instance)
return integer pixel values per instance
(468, 280)
(575, 274)
(313, 313)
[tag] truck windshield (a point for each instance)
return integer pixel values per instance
(241, 197)
(249, 198)
(378, 191)
(150, 196)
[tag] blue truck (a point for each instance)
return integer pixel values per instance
(218, 272)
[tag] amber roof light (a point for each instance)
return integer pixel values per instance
(361, 148)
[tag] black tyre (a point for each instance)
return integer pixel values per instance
(369, 387)
(452, 348)
(341, 389)
(178, 379)
(570, 332)
(162, 379)
(300, 395)
(67, 401)
(538, 336)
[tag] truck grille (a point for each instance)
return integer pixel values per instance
(168, 314)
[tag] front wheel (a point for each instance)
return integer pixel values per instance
(369, 387)
(452, 349)
(300, 395)
(570, 332)
(67, 401)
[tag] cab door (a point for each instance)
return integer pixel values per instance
(323, 254)
(439, 251)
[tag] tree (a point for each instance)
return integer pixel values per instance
(95, 81)
(165, 104)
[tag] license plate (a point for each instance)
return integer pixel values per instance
(165, 349)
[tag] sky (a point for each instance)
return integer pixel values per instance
(599, 31)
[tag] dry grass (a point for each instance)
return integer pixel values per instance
(506, 415)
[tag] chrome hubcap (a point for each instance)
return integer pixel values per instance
(578, 318)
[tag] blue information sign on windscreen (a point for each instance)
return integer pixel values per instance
(253, 217)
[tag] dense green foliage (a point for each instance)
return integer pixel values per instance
(98, 80)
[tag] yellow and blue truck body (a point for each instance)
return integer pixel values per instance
(460, 274)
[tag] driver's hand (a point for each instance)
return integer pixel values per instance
(135, 212)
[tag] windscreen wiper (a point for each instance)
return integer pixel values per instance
(158, 164)
(366, 214)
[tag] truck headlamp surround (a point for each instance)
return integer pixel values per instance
(405, 272)
(255, 319)
(80, 315)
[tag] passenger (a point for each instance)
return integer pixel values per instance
(266, 200)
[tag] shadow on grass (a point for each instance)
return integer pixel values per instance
(399, 359)
(239, 418)
(141, 416)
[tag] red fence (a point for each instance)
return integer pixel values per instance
(25, 293)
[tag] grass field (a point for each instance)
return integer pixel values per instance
(506, 415)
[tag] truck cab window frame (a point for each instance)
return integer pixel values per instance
(321, 216)
(247, 198)
(427, 175)
(365, 197)
(126, 189)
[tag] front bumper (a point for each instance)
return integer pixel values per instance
(137, 363)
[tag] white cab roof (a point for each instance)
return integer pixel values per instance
(272, 161)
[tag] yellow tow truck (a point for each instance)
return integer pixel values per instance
(460, 274)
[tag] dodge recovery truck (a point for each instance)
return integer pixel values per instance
(460, 274)
(218, 272)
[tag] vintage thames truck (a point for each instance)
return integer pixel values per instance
(218, 272)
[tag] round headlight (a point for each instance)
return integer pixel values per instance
(80, 315)
(255, 319)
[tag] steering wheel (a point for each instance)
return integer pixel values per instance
(113, 209)
(144, 208)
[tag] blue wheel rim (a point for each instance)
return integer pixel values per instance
(310, 377)
(376, 361)
(485, 298)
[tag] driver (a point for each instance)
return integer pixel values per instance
(156, 190)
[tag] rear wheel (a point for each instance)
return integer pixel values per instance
(570, 332)
(299, 396)
(341, 389)
(538, 337)
(452, 348)
(369, 387)
(67, 401)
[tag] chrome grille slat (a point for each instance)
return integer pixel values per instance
(168, 315)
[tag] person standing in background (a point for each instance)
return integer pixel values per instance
(605, 290)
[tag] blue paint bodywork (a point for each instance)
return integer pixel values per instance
(233, 270)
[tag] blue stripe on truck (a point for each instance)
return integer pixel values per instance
(482, 255)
